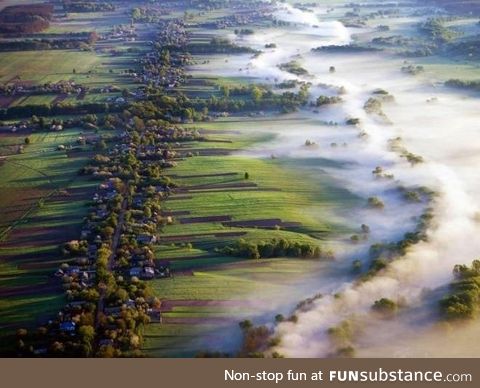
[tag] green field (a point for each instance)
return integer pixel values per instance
(209, 304)
(43, 203)
(85, 68)
(281, 188)
(211, 292)
(45, 66)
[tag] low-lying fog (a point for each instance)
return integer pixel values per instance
(433, 122)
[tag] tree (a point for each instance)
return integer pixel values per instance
(357, 266)
(257, 94)
(108, 232)
(165, 56)
(225, 90)
(87, 335)
(90, 118)
(121, 295)
(27, 140)
(246, 324)
(247, 176)
(365, 228)
(385, 306)
(188, 114)
(41, 122)
(106, 351)
(101, 145)
(147, 212)
(138, 123)
(375, 202)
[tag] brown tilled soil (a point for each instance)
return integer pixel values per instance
(189, 237)
(217, 141)
(40, 236)
(49, 287)
(14, 202)
(204, 175)
(168, 305)
(38, 266)
(208, 151)
(34, 236)
(196, 321)
(6, 101)
(229, 234)
(20, 82)
(80, 154)
(199, 220)
(265, 223)
(194, 257)
(234, 190)
(228, 185)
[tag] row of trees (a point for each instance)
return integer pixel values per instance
(25, 18)
(88, 6)
(60, 109)
(273, 248)
(83, 41)
(218, 46)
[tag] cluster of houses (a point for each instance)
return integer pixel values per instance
(122, 228)
(61, 87)
(135, 216)
(140, 225)
(106, 271)
(20, 126)
(122, 33)
(165, 68)
(241, 18)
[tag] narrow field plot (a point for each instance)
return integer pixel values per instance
(35, 66)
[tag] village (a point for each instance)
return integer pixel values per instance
(135, 136)
(179, 173)
(106, 271)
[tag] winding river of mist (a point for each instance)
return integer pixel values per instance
(432, 121)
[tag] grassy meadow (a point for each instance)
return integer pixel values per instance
(43, 203)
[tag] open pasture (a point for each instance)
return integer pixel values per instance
(45, 66)
(201, 309)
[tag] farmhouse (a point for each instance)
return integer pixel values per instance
(146, 239)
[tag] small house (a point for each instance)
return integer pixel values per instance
(68, 326)
(146, 239)
(148, 273)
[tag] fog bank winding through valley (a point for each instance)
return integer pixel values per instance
(432, 121)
